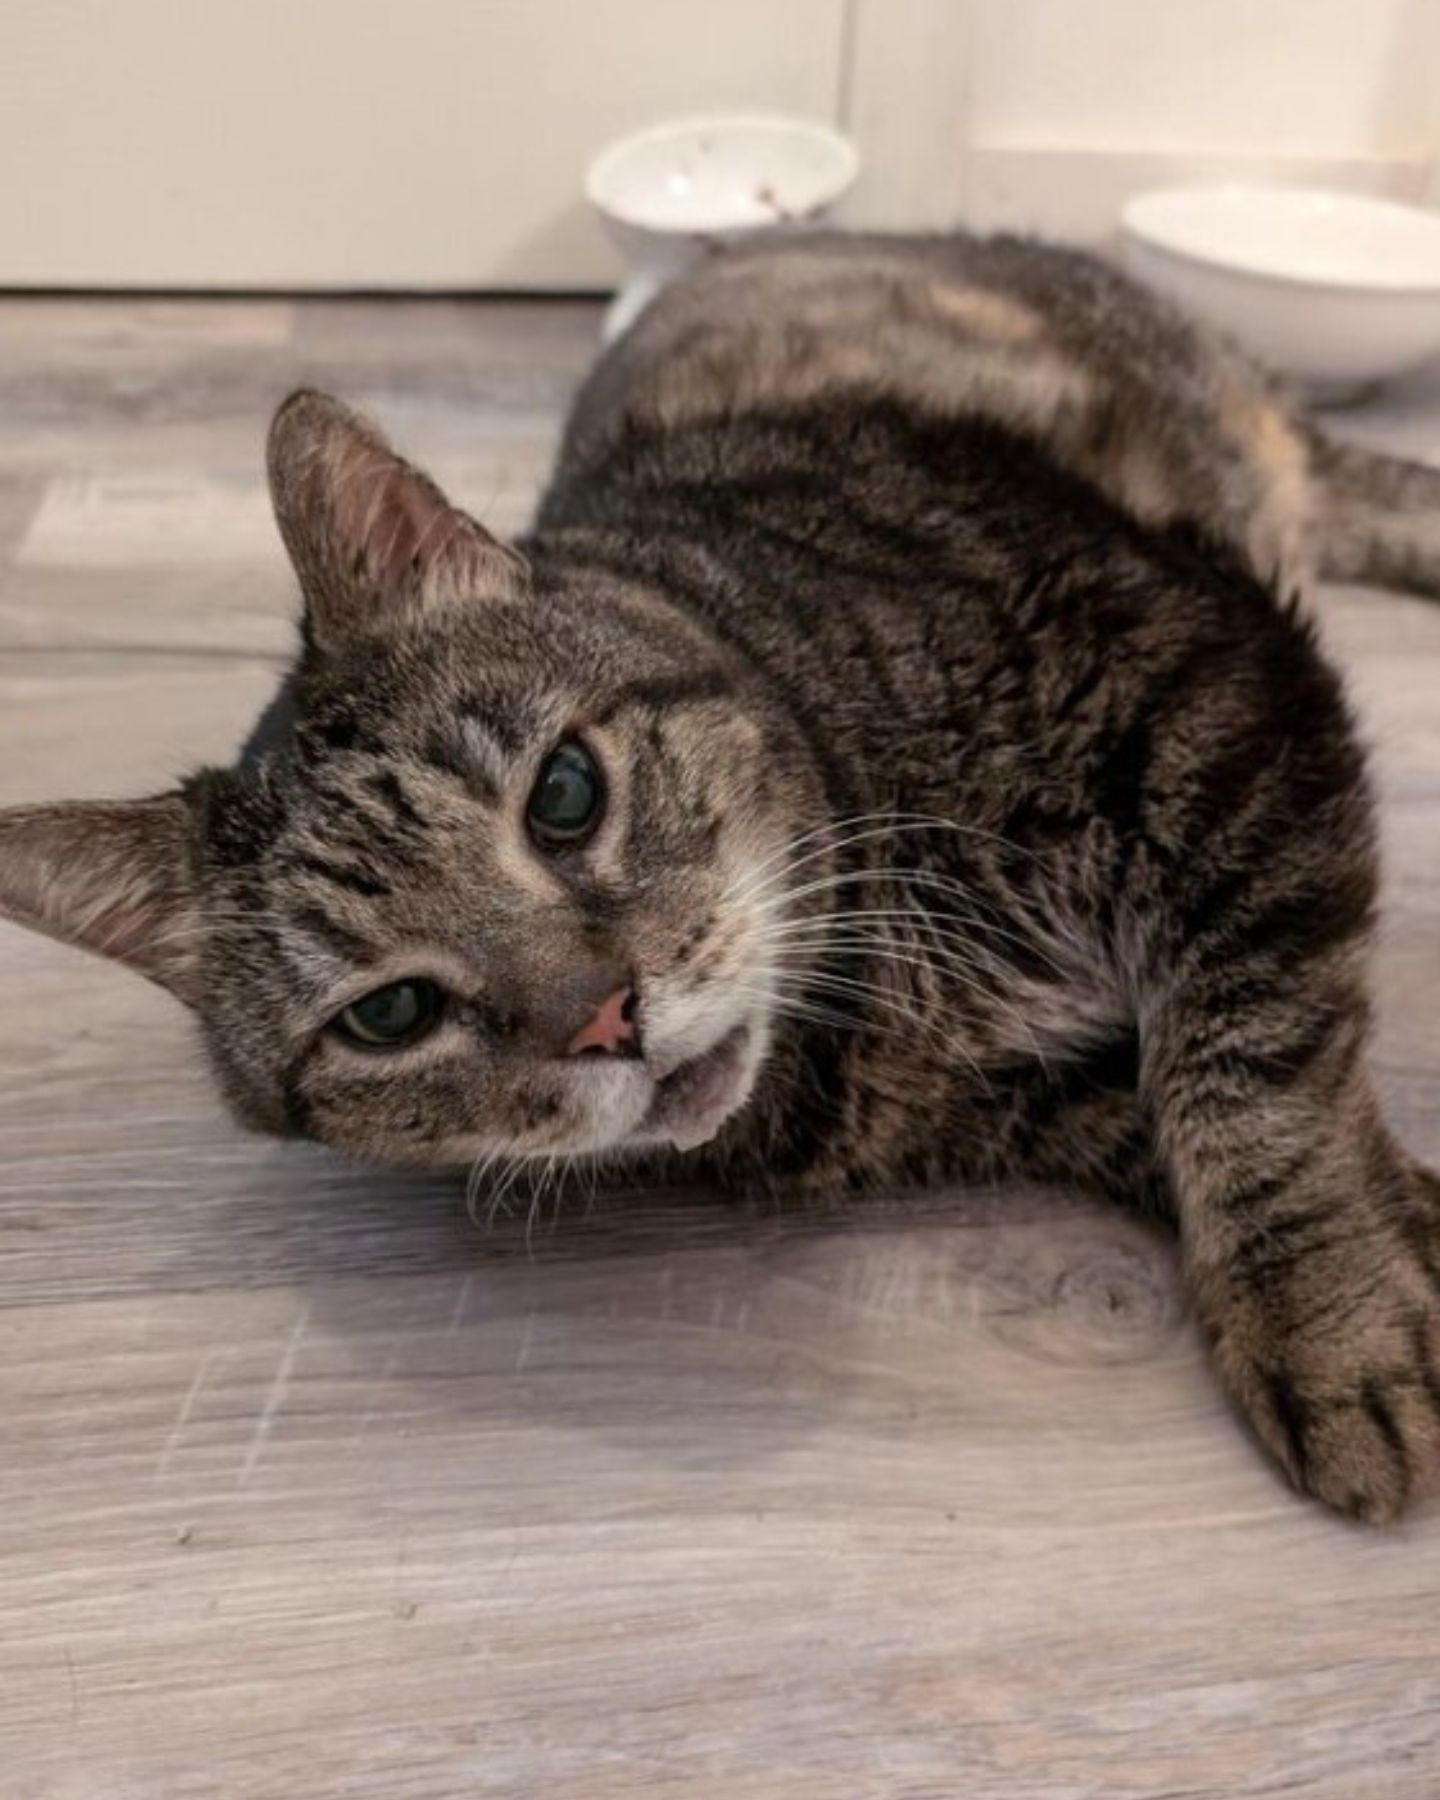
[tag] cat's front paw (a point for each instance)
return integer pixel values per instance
(1338, 1370)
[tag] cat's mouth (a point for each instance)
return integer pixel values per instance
(693, 1100)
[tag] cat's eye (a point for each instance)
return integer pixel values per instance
(400, 1013)
(566, 801)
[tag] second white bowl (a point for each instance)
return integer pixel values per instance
(1337, 291)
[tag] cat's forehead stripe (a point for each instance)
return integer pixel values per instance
(659, 693)
(486, 753)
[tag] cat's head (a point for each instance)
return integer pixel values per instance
(500, 873)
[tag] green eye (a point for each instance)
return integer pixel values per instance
(401, 1013)
(565, 803)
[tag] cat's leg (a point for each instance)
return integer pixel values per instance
(1311, 1241)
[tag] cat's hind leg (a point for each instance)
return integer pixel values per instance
(1377, 518)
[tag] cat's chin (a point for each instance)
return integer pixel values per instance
(694, 1099)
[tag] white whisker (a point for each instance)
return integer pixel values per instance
(861, 828)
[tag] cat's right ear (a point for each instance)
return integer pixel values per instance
(375, 543)
(110, 876)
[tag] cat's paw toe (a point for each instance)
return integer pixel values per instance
(1367, 1450)
(1353, 1418)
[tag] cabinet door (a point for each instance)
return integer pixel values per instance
(358, 143)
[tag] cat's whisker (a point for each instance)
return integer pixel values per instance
(593, 1166)
(992, 998)
(910, 1016)
(897, 876)
(935, 960)
(880, 950)
(870, 826)
(561, 1165)
(479, 1173)
(472, 1191)
(960, 959)
(932, 881)
(743, 886)
(950, 944)
(749, 885)
(782, 1003)
(500, 1200)
(944, 948)
(846, 987)
(531, 1214)
(858, 827)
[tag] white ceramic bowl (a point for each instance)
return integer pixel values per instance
(1337, 291)
(669, 193)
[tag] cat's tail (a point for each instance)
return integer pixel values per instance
(1377, 517)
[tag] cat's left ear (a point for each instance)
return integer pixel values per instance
(374, 541)
(111, 876)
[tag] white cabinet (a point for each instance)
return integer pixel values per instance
(358, 143)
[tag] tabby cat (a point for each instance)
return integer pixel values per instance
(898, 753)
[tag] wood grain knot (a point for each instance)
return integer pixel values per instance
(1121, 1303)
(1115, 1305)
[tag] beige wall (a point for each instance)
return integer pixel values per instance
(1046, 113)
(1326, 78)
(438, 143)
(357, 142)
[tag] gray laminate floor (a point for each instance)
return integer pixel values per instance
(307, 1487)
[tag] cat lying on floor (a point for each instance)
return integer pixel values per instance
(897, 753)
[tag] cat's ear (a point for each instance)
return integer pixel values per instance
(374, 541)
(112, 876)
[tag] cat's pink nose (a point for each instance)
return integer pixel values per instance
(612, 1030)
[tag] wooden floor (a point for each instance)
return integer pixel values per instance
(309, 1488)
